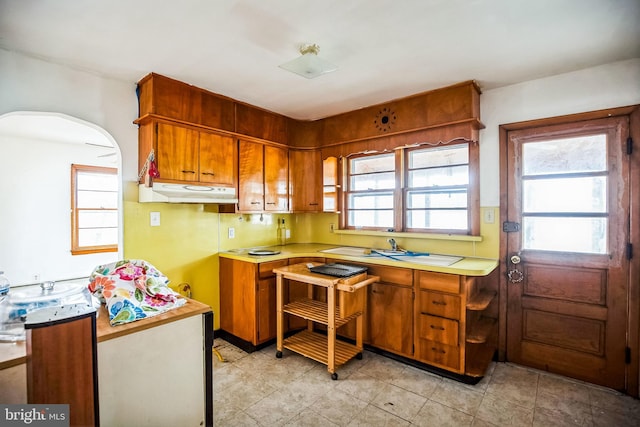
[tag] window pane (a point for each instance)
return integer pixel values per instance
(98, 236)
(437, 219)
(587, 194)
(432, 199)
(97, 181)
(371, 164)
(584, 235)
(371, 201)
(455, 175)
(441, 156)
(89, 219)
(568, 155)
(97, 199)
(377, 181)
(371, 218)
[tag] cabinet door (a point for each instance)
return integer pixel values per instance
(250, 176)
(218, 159)
(305, 168)
(267, 326)
(276, 178)
(177, 153)
(238, 298)
(391, 318)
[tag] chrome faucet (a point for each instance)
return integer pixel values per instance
(394, 245)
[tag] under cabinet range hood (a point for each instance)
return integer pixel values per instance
(186, 193)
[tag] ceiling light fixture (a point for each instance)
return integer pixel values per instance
(309, 65)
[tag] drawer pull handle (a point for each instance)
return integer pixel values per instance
(184, 171)
(439, 328)
(271, 203)
(439, 302)
(208, 173)
(377, 292)
(255, 203)
(438, 350)
(313, 204)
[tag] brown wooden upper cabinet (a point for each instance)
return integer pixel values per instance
(305, 170)
(263, 178)
(187, 155)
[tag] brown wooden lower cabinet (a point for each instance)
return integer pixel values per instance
(390, 318)
(248, 299)
(444, 320)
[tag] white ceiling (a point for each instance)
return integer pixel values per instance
(385, 49)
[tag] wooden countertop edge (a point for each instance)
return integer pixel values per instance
(107, 332)
(14, 354)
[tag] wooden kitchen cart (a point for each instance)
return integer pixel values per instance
(345, 301)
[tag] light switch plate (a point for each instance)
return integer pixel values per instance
(232, 233)
(154, 219)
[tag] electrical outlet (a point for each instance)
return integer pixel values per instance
(489, 216)
(232, 233)
(287, 234)
(331, 228)
(154, 219)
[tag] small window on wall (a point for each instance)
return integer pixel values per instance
(94, 209)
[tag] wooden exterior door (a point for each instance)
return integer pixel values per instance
(567, 238)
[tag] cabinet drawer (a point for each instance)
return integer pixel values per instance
(438, 353)
(391, 275)
(438, 329)
(442, 282)
(439, 304)
(265, 269)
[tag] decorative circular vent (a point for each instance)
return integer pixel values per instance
(385, 119)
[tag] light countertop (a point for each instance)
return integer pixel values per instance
(467, 266)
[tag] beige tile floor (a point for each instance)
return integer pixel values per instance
(259, 390)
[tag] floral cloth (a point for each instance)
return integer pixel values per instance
(132, 290)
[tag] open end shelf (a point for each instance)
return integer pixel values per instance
(481, 300)
(481, 330)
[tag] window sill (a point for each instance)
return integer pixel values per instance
(430, 236)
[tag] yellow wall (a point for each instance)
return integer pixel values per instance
(185, 246)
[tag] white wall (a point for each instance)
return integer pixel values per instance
(606, 86)
(35, 225)
(29, 84)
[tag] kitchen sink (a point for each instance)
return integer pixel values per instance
(413, 257)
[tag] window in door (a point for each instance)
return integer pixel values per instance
(94, 209)
(564, 194)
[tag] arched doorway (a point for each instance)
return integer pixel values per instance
(38, 149)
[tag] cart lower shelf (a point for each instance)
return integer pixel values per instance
(314, 346)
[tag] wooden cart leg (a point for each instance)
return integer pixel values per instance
(331, 330)
(310, 296)
(359, 332)
(279, 315)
